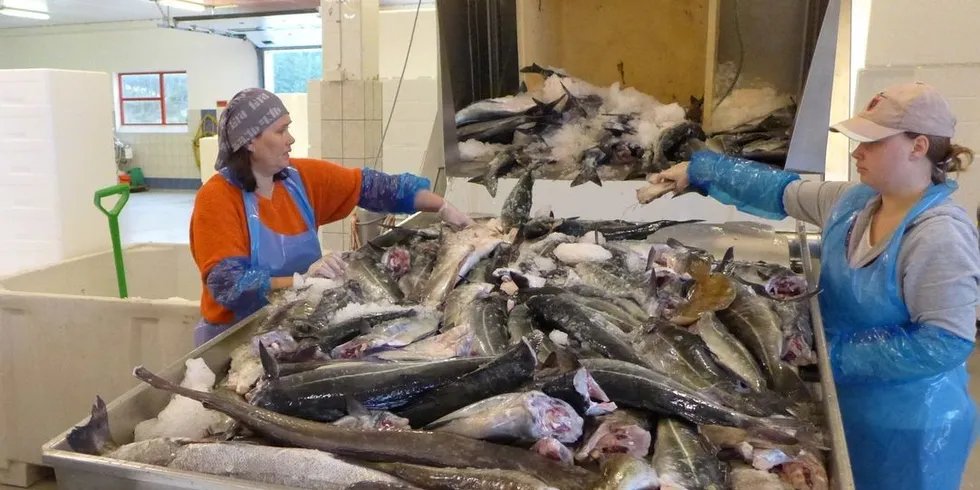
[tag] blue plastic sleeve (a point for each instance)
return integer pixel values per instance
(896, 354)
(381, 192)
(751, 187)
(237, 285)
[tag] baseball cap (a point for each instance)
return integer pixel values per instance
(908, 107)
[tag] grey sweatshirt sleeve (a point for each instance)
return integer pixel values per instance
(812, 201)
(939, 269)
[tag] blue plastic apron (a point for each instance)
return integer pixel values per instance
(282, 255)
(911, 435)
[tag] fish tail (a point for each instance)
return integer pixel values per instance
(269, 363)
(94, 437)
(579, 179)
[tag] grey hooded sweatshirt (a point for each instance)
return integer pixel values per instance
(938, 258)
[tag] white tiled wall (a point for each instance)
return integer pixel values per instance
(163, 155)
(411, 124)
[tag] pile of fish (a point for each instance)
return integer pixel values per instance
(570, 129)
(522, 353)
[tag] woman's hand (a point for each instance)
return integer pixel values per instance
(676, 174)
(330, 266)
(454, 217)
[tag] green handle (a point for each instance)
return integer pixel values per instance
(113, 214)
(121, 189)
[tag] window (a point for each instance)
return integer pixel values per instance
(153, 99)
(290, 70)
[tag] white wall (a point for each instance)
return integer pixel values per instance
(216, 67)
(410, 128)
(931, 42)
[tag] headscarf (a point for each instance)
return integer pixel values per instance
(249, 112)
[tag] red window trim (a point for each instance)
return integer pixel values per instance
(162, 98)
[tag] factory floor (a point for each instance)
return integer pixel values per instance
(164, 217)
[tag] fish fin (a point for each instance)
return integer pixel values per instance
(674, 243)
(479, 179)
(354, 407)
(582, 178)
(651, 260)
(523, 88)
(551, 214)
(269, 363)
(726, 260)
(94, 437)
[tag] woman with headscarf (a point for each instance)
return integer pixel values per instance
(254, 224)
(899, 274)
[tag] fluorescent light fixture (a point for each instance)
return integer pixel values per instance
(184, 5)
(26, 14)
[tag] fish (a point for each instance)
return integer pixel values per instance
(376, 284)
(458, 253)
(545, 72)
(521, 417)
(589, 164)
(620, 432)
(458, 478)
(626, 472)
(500, 165)
(684, 459)
(456, 342)
(730, 353)
(575, 253)
(486, 318)
(578, 389)
(492, 109)
(423, 261)
(658, 158)
(752, 321)
(553, 449)
(796, 323)
(321, 395)
(413, 447)
(516, 209)
(458, 300)
(501, 129)
(557, 312)
(519, 324)
(503, 374)
(683, 356)
(389, 335)
(360, 417)
(631, 385)
(397, 261)
(252, 462)
(596, 276)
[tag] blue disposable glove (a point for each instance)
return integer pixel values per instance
(895, 354)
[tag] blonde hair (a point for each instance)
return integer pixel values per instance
(945, 156)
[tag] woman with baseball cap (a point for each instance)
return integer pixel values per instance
(899, 273)
(254, 224)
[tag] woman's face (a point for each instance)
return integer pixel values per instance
(270, 149)
(895, 163)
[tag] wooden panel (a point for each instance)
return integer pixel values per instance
(657, 46)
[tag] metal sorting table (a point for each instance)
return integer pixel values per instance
(77, 471)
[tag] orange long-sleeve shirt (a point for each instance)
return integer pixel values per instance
(219, 228)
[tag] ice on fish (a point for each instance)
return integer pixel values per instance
(577, 253)
(470, 150)
(183, 417)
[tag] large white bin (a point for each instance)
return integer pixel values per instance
(65, 335)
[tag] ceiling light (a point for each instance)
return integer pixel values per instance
(183, 4)
(27, 14)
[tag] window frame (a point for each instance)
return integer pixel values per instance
(162, 99)
(267, 69)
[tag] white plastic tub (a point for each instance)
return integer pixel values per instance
(65, 334)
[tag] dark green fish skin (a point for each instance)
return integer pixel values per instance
(503, 374)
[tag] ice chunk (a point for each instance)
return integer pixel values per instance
(183, 417)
